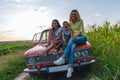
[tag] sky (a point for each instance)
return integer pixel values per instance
(21, 19)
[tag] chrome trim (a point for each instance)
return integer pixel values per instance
(57, 68)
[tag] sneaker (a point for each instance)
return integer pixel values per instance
(69, 72)
(60, 61)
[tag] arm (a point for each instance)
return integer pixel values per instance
(81, 30)
(80, 27)
(56, 40)
(51, 36)
(72, 34)
(63, 37)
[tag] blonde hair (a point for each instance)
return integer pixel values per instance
(77, 15)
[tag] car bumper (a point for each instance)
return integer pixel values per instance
(56, 68)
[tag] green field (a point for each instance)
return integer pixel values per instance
(11, 58)
(105, 41)
(13, 46)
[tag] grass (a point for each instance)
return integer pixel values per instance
(106, 45)
(11, 65)
(11, 58)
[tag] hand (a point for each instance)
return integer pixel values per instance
(80, 34)
(74, 37)
(52, 41)
(46, 44)
(64, 43)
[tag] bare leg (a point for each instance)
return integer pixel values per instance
(50, 46)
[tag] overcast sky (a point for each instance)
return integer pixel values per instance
(20, 19)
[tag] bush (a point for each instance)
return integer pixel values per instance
(106, 45)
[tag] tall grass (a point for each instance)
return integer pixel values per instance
(106, 48)
(11, 65)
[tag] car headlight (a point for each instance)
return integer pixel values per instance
(77, 54)
(31, 60)
(85, 53)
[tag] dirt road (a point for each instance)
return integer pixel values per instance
(22, 76)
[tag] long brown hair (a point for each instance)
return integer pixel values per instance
(52, 35)
(77, 15)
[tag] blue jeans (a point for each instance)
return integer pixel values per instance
(70, 48)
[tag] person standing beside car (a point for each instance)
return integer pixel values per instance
(77, 26)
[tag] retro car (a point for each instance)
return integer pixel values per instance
(38, 62)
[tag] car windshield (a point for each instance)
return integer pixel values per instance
(44, 36)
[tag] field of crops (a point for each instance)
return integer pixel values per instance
(106, 49)
(11, 58)
(13, 46)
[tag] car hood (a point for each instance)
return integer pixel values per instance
(38, 49)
